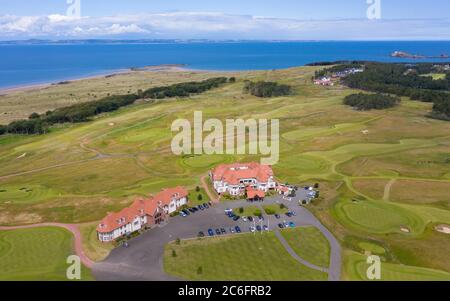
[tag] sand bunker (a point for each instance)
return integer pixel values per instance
(405, 230)
(443, 229)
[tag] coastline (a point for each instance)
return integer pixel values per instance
(40, 86)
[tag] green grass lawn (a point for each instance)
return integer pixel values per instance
(36, 254)
(242, 257)
(275, 209)
(310, 244)
(248, 211)
(194, 199)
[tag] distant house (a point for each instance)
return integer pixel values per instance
(141, 214)
(324, 81)
(236, 178)
(284, 190)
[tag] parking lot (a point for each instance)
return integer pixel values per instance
(143, 259)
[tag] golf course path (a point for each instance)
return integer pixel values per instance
(210, 194)
(387, 189)
(295, 255)
(70, 227)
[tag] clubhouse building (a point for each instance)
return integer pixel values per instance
(237, 179)
(143, 213)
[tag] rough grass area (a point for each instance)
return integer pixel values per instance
(310, 244)
(36, 254)
(243, 257)
(92, 247)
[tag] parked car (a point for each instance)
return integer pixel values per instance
(244, 218)
(288, 214)
(236, 218)
(232, 230)
(250, 219)
(252, 229)
(228, 211)
(258, 228)
(260, 218)
(286, 225)
(195, 209)
(206, 206)
(210, 232)
(277, 216)
(223, 231)
(201, 234)
(191, 210)
(185, 212)
(200, 207)
(292, 224)
(218, 232)
(265, 228)
(238, 229)
(281, 226)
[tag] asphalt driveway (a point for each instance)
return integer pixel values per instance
(143, 259)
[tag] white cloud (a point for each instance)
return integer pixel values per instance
(218, 26)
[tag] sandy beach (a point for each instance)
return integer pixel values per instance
(33, 87)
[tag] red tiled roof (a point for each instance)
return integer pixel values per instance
(283, 188)
(233, 173)
(253, 193)
(167, 195)
(140, 208)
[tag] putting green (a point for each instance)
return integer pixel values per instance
(355, 268)
(36, 254)
(377, 217)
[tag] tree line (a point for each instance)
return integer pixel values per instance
(404, 80)
(365, 102)
(266, 89)
(39, 124)
(186, 89)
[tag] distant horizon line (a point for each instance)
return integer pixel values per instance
(36, 40)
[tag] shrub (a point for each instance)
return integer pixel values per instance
(365, 102)
(184, 89)
(266, 89)
(34, 116)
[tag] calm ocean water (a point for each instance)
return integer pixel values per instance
(34, 64)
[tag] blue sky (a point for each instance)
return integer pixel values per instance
(251, 19)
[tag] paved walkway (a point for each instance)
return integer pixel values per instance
(72, 228)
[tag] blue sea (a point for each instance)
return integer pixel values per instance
(27, 64)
